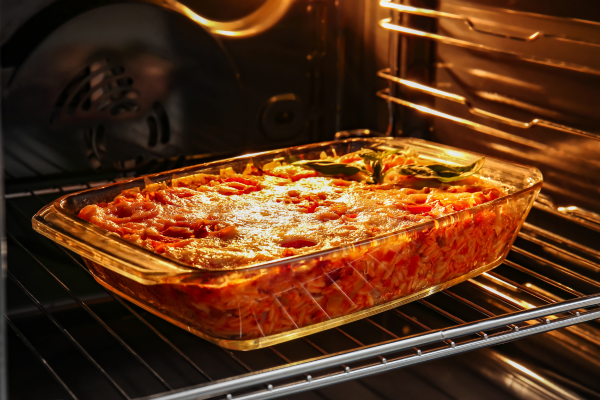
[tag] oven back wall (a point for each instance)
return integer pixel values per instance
(110, 88)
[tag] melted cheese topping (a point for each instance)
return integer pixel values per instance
(233, 220)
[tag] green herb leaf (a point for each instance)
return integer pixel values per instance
(443, 173)
(375, 160)
(329, 167)
(373, 156)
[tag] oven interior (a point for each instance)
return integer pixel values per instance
(102, 91)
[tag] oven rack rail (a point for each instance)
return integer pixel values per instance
(387, 24)
(309, 374)
(384, 364)
(385, 94)
(386, 74)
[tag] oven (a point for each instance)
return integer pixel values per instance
(104, 90)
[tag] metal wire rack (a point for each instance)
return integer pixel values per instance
(393, 96)
(538, 35)
(548, 282)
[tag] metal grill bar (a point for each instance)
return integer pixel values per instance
(556, 266)
(68, 335)
(528, 38)
(95, 316)
(557, 238)
(119, 300)
(548, 207)
(524, 288)
(447, 315)
(141, 319)
(469, 303)
(237, 359)
(245, 366)
(385, 74)
(543, 278)
(160, 335)
(559, 250)
(356, 341)
(41, 359)
(227, 387)
(426, 356)
(384, 94)
(419, 324)
(477, 307)
(514, 303)
(387, 331)
(387, 24)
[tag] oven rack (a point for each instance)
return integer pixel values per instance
(472, 26)
(578, 214)
(589, 216)
(385, 74)
(388, 24)
(513, 301)
(385, 94)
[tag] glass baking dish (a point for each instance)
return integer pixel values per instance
(263, 304)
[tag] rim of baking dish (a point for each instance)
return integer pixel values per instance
(63, 227)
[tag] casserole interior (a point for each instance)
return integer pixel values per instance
(263, 304)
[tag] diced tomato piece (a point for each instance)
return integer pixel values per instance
(413, 265)
(158, 246)
(418, 208)
(311, 205)
(388, 256)
(183, 195)
(393, 162)
(492, 194)
(299, 243)
(250, 189)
